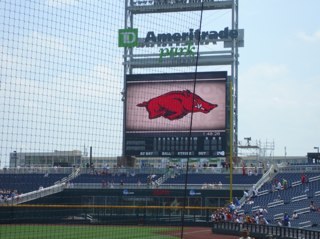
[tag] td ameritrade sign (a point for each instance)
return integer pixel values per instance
(129, 38)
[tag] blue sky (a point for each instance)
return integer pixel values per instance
(61, 73)
(279, 74)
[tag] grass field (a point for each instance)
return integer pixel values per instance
(84, 231)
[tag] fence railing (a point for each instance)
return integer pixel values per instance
(261, 231)
(148, 186)
(25, 197)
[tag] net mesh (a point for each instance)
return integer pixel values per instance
(62, 90)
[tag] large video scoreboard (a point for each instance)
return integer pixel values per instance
(176, 115)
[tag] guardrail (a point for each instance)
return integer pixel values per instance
(300, 168)
(25, 197)
(262, 231)
(131, 170)
(39, 170)
(146, 186)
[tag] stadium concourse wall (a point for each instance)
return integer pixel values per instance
(119, 206)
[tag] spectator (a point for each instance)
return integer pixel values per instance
(262, 210)
(103, 184)
(295, 215)
(286, 220)
(204, 186)
(278, 198)
(284, 183)
(312, 207)
(279, 223)
(260, 167)
(303, 178)
(243, 170)
(236, 202)
(232, 207)
(279, 185)
(213, 217)
(254, 192)
(139, 183)
(213, 185)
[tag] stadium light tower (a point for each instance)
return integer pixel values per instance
(317, 148)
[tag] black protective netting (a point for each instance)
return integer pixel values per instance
(63, 90)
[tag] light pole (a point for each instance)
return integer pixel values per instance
(317, 148)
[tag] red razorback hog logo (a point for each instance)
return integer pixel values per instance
(176, 104)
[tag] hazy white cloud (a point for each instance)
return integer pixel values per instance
(33, 53)
(266, 71)
(49, 105)
(276, 104)
(309, 38)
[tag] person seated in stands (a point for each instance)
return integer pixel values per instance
(263, 220)
(213, 217)
(112, 184)
(312, 207)
(236, 202)
(103, 184)
(279, 223)
(286, 220)
(262, 211)
(228, 216)
(249, 219)
(278, 198)
(303, 178)
(295, 215)
(232, 207)
(204, 186)
(250, 172)
(213, 185)
(279, 185)
(220, 185)
(284, 183)
(256, 218)
(139, 183)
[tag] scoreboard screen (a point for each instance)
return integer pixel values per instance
(176, 115)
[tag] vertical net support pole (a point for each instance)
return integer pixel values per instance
(231, 134)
